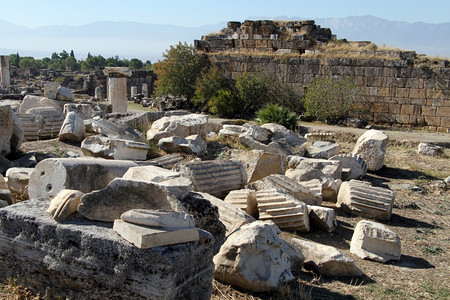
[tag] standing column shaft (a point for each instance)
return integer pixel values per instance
(4, 71)
(117, 94)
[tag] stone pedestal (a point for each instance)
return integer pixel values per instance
(4, 72)
(117, 94)
(99, 93)
(145, 90)
(134, 91)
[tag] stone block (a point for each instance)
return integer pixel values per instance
(322, 218)
(101, 146)
(244, 199)
(305, 169)
(323, 150)
(18, 183)
(380, 107)
(402, 119)
(363, 199)
(353, 166)
(371, 146)
(82, 259)
(72, 129)
(432, 121)
(429, 111)
(430, 149)
(375, 241)
(326, 260)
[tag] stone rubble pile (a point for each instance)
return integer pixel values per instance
(189, 217)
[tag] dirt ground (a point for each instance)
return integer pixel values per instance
(420, 217)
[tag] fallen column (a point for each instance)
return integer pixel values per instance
(84, 174)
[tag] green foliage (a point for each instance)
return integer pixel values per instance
(91, 62)
(331, 100)
(178, 72)
(136, 64)
(273, 113)
(14, 60)
(224, 103)
(27, 62)
(252, 90)
(210, 82)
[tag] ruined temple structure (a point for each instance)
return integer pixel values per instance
(265, 37)
(403, 87)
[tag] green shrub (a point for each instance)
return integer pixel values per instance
(224, 104)
(331, 100)
(252, 91)
(273, 113)
(210, 82)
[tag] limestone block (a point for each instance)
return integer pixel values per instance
(72, 129)
(196, 143)
(76, 259)
(148, 237)
(234, 128)
(254, 258)
(323, 218)
(326, 260)
(193, 144)
(29, 101)
(304, 169)
(353, 166)
(375, 241)
(371, 146)
(217, 178)
(100, 146)
(206, 217)
(288, 186)
(168, 161)
(158, 218)
(83, 110)
(64, 204)
(6, 129)
(232, 217)
(244, 199)
(51, 89)
(64, 94)
(330, 189)
(181, 126)
(117, 71)
(84, 174)
(363, 199)
(18, 183)
(430, 149)
(227, 132)
(284, 210)
(116, 130)
(279, 132)
(50, 122)
(149, 173)
(122, 195)
(138, 120)
(315, 186)
(258, 163)
(178, 187)
(323, 150)
(319, 136)
(260, 134)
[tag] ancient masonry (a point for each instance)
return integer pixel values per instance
(401, 89)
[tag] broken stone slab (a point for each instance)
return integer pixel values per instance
(261, 134)
(326, 260)
(31, 125)
(371, 146)
(217, 178)
(206, 217)
(144, 237)
(375, 241)
(181, 126)
(84, 174)
(315, 186)
(18, 183)
(158, 218)
(231, 130)
(254, 258)
(353, 166)
(430, 149)
(117, 71)
(64, 94)
(283, 209)
(64, 204)
(330, 189)
(76, 259)
(323, 150)
(51, 89)
(193, 144)
(258, 163)
(6, 129)
(116, 130)
(168, 161)
(72, 129)
(244, 199)
(319, 136)
(122, 195)
(281, 133)
(304, 169)
(232, 217)
(323, 218)
(101, 146)
(272, 147)
(84, 110)
(286, 185)
(362, 199)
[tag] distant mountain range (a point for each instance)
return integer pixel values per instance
(149, 41)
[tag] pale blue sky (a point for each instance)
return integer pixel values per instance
(34, 13)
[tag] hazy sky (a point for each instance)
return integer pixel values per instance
(34, 13)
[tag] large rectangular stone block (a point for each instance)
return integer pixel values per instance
(82, 259)
(433, 121)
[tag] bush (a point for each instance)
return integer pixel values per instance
(331, 100)
(252, 91)
(210, 82)
(273, 113)
(224, 104)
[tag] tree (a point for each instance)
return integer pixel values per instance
(55, 56)
(14, 60)
(178, 72)
(72, 54)
(63, 55)
(332, 99)
(147, 65)
(91, 62)
(71, 63)
(252, 89)
(27, 62)
(136, 64)
(211, 80)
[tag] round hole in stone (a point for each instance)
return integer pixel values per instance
(48, 187)
(42, 173)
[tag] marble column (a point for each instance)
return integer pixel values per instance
(4, 71)
(117, 87)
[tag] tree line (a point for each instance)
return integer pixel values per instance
(65, 61)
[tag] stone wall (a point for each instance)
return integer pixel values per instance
(399, 91)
